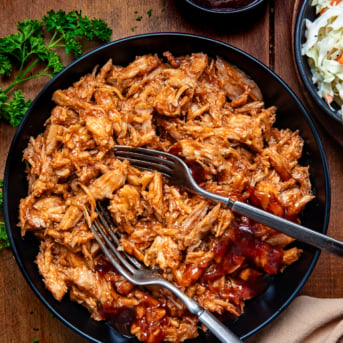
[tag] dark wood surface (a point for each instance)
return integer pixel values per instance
(23, 318)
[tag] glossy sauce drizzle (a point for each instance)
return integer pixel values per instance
(122, 318)
(239, 247)
(150, 326)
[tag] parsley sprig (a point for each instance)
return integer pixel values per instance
(21, 52)
(4, 243)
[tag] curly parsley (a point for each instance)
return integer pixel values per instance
(22, 51)
(4, 243)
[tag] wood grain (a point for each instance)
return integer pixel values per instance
(23, 318)
(326, 280)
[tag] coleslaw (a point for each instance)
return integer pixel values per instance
(324, 49)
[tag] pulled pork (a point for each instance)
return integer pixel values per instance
(212, 115)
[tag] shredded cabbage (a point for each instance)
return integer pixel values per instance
(324, 48)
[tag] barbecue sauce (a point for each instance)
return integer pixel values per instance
(120, 318)
(240, 247)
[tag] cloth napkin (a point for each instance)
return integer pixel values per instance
(305, 320)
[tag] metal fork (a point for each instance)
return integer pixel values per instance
(179, 174)
(133, 271)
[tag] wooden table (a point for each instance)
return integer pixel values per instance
(23, 318)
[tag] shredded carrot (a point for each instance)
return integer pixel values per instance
(329, 98)
(332, 3)
(340, 59)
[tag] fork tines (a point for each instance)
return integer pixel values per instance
(146, 158)
(105, 234)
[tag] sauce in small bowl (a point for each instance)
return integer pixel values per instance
(223, 13)
(224, 4)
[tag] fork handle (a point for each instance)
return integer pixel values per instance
(297, 231)
(223, 333)
(218, 328)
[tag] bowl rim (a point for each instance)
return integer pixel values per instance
(307, 117)
(224, 12)
(302, 65)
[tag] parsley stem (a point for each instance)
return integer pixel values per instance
(34, 76)
(21, 78)
(21, 75)
(54, 43)
(28, 69)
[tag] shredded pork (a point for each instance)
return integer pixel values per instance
(212, 115)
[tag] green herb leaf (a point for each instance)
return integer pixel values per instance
(4, 242)
(14, 109)
(5, 65)
(18, 46)
(54, 62)
(28, 46)
(73, 26)
(30, 28)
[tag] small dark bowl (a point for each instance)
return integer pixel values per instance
(327, 118)
(291, 114)
(234, 18)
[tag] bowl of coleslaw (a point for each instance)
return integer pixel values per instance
(318, 53)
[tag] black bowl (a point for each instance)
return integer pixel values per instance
(241, 6)
(235, 18)
(326, 117)
(291, 114)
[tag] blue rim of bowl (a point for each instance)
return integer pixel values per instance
(302, 65)
(191, 36)
(219, 11)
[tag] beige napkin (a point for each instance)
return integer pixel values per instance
(305, 320)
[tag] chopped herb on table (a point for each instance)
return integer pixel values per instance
(139, 17)
(21, 52)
